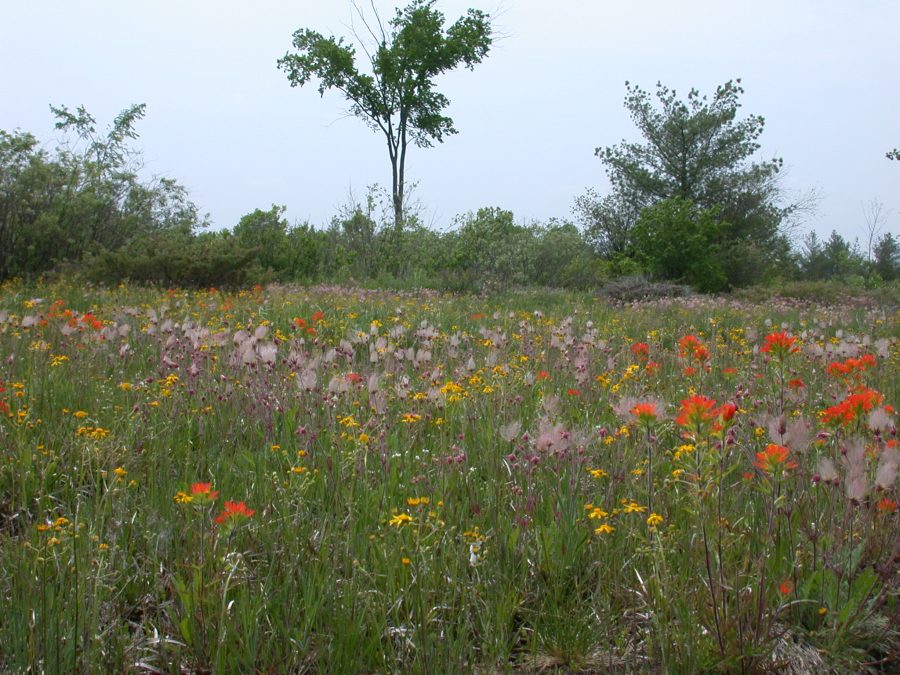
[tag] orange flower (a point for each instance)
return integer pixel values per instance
(786, 587)
(234, 512)
(886, 505)
(543, 375)
(690, 347)
(641, 351)
(645, 412)
(774, 459)
(779, 345)
(318, 316)
(573, 392)
(696, 411)
(851, 408)
(202, 493)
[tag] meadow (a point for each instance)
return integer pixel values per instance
(328, 479)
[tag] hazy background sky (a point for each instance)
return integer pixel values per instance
(224, 121)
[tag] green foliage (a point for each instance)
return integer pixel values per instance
(176, 258)
(84, 197)
(699, 152)
(887, 258)
(674, 239)
(398, 98)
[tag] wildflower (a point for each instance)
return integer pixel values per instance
(696, 411)
(774, 459)
(234, 512)
(634, 507)
(417, 501)
(641, 351)
(597, 473)
(405, 561)
(654, 519)
(646, 412)
(298, 470)
(786, 587)
(410, 418)
(596, 513)
(605, 528)
(886, 505)
(779, 345)
(851, 408)
(400, 520)
(182, 497)
(202, 493)
(80, 414)
(692, 349)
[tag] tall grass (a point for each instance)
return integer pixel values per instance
(443, 484)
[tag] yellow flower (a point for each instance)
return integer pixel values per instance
(80, 414)
(410, 418)
(183, 498)
(363, 438)
(654, 519)
(596, 513)
(597, 473)
(400, 520)
(299, 470)
(120, 471)
(416, 501)
(634, 507)
(605, 528)
(405, 561)
(62, 521)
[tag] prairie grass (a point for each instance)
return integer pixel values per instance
(337, 480)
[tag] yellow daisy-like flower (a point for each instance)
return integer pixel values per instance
(400, 520)
(654, 519)
(634, 507)
(605, 528)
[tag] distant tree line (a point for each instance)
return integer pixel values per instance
(675, 213)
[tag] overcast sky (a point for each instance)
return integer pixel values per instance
(223, 120)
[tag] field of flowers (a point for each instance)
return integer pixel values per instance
(339, 480)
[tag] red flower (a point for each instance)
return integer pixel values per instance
(851, 408)
(774, 459)
(202, 493)
(887, 505)
(690, 347)
(641, 351)
(543, 375)
(796, 384)
(573, 392)
(645, 412)
(779, 345)
(696, 411)
(233, 512)
(786, 587)
(727, 411)
(318, 316)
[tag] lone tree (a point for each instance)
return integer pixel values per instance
(697, 152)
(398, 98)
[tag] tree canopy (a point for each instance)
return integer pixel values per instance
(398, 97)
(698, 152)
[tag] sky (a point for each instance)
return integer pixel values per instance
(223, 120)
